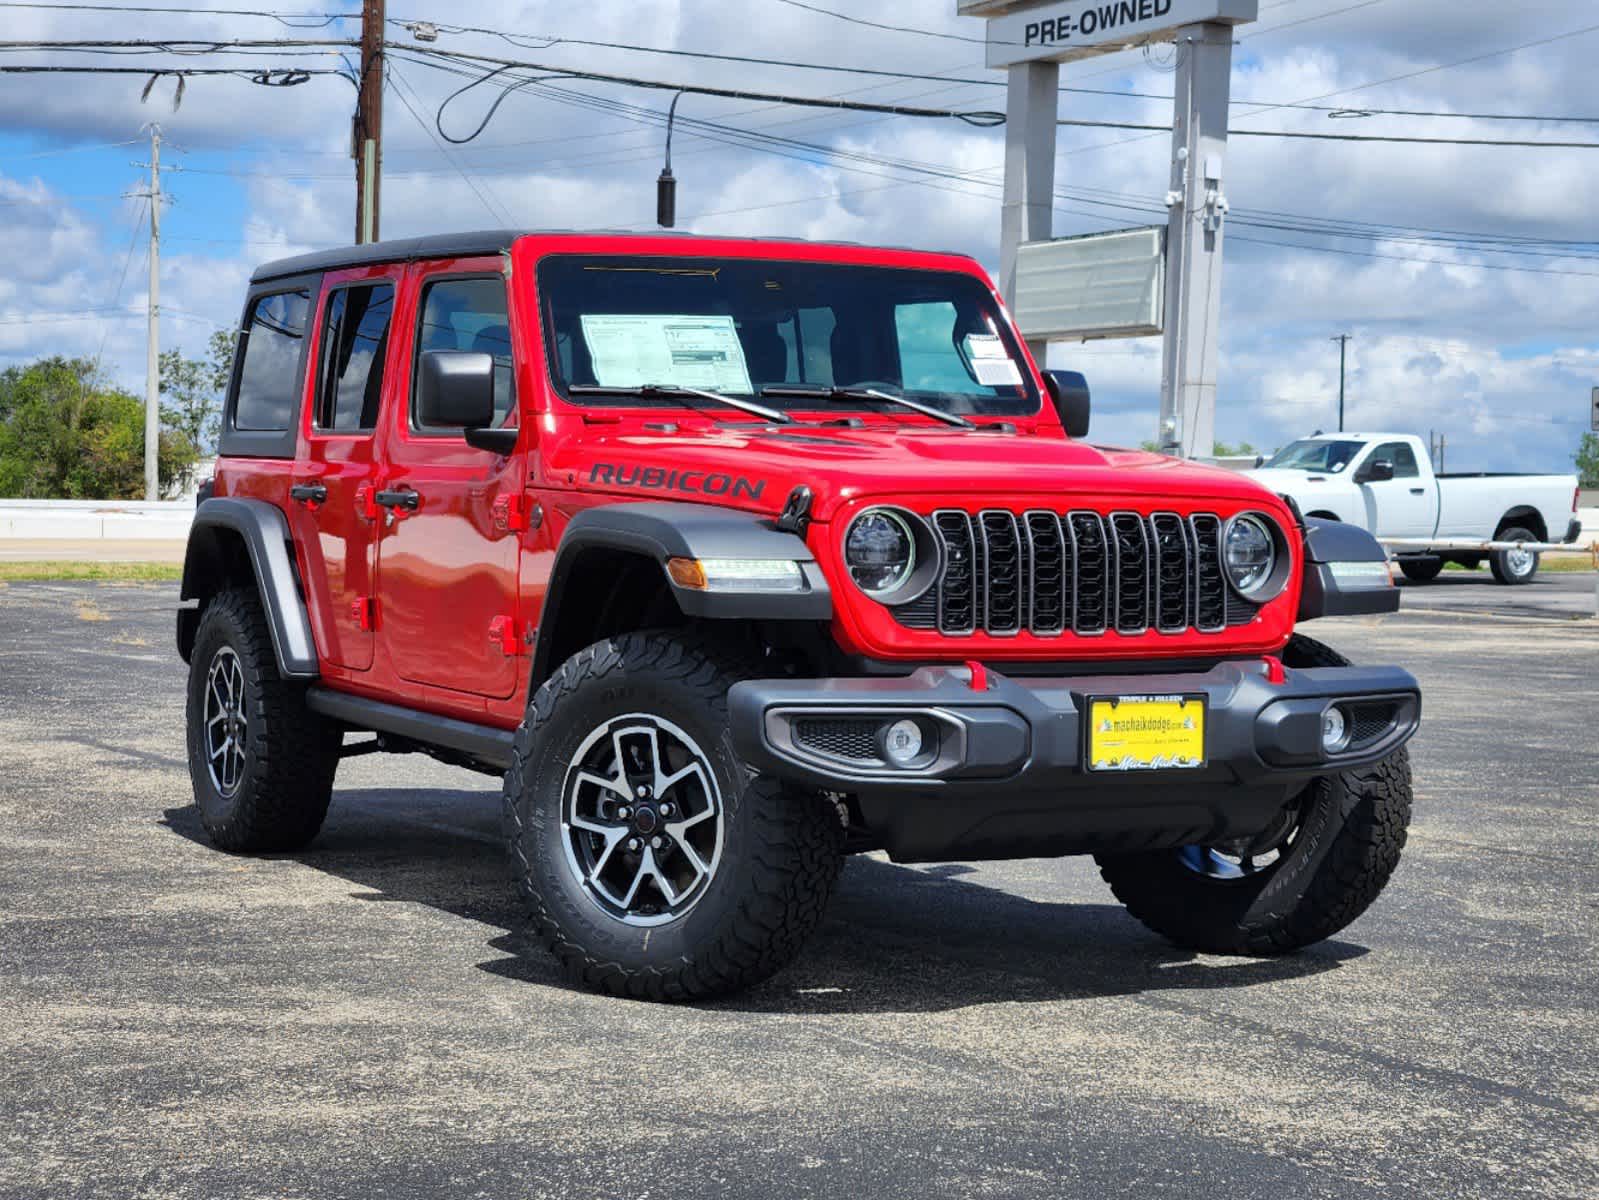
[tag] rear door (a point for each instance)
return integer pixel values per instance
(448, 580)
(330, 499)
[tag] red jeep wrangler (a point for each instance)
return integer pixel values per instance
(734, 557)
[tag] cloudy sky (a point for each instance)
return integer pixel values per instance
(1468, 275)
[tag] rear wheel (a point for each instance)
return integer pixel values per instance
(1421, 570)
(652, 863)
(1515, 567)
(1323, 862)
(261, 763)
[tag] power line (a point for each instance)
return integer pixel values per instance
(291, 20)
(828, 12)
(1343, 137)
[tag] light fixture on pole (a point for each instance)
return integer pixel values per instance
(666, 185)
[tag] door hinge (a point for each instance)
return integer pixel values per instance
(505, 633)
(365, 611)
(516, 513)
(366, 502)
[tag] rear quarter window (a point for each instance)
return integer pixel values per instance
(269, 371)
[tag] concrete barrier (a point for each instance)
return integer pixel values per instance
(92, 520)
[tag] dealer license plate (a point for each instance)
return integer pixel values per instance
(1146, 733)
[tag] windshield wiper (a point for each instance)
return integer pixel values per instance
(849, 393)
(654, 390)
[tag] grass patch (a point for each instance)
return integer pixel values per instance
(57, 572)
(1554, 564)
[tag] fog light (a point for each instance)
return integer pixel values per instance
(1334, 730)
(902, 744)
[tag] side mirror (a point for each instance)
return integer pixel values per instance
(1068, 390)
(1260, 461)
(456, 389)
(1378, 470)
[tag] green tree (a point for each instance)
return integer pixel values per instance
(1587, 460)
(65, 434)
(194, 388)
(1223, 450)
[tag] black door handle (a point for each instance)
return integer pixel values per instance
(1418, 491)
(309, 493)
(399, 498)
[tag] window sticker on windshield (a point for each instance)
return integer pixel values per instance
(682, 351)
(991, 363)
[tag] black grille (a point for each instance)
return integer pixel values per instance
(839, 738)
(1371, 722)
(1077, 572)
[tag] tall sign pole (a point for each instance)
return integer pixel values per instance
(367, 136)
(1027, 213)
(152, 350)
(1198, 208)
(1029, 39)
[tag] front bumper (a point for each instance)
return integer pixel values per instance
(1004, 774)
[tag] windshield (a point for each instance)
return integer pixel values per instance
(738, 326)
(1331, 457)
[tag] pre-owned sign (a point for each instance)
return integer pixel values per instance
(1083, 28)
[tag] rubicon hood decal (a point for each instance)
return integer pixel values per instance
(696, 483)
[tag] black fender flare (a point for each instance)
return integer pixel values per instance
(662, 530)
(1322, 594)
(264, 532)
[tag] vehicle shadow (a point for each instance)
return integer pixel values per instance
(896, 939)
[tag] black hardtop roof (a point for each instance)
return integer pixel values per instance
(463, 245)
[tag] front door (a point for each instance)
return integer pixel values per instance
(1405, 506)
(330, 508)
(448, 576)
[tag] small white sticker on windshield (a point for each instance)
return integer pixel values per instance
(991, 363)
(673, 350)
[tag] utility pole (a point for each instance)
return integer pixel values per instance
(1343, 358)
(152, 358)
(366, 142)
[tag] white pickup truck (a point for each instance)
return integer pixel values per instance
(1385, 482)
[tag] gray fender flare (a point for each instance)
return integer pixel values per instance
(661, 530)
(265, 534)
(1321, 594)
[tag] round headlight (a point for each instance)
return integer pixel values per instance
(1250, 555)
(880, 551)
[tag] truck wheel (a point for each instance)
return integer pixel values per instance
(1421, 570)
(262, 765)
(653, 864)
(1316, 870)
(1514, 567)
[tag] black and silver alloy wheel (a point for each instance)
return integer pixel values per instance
(227, 723)
(261, 763)
(654, 863)
(642, 819)
(1316, 868)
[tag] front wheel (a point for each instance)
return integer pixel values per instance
(1515, 567)
(652, 863)
(1323, 862)
(1421, 570)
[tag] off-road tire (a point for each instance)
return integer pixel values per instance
(1499, 560)
(1421, 570)
(291, 754)
(782, 847)
(1352, 832)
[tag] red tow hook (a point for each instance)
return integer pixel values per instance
(1276, 673)
(979, 676)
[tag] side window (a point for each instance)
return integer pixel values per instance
(1402, 456)
(470, 314)
(355, 342)
(269, 373)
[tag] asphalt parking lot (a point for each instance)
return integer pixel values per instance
(365, 1020)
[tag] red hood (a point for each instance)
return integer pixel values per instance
(756, 469)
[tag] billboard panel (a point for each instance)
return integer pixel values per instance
(1105, 285)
